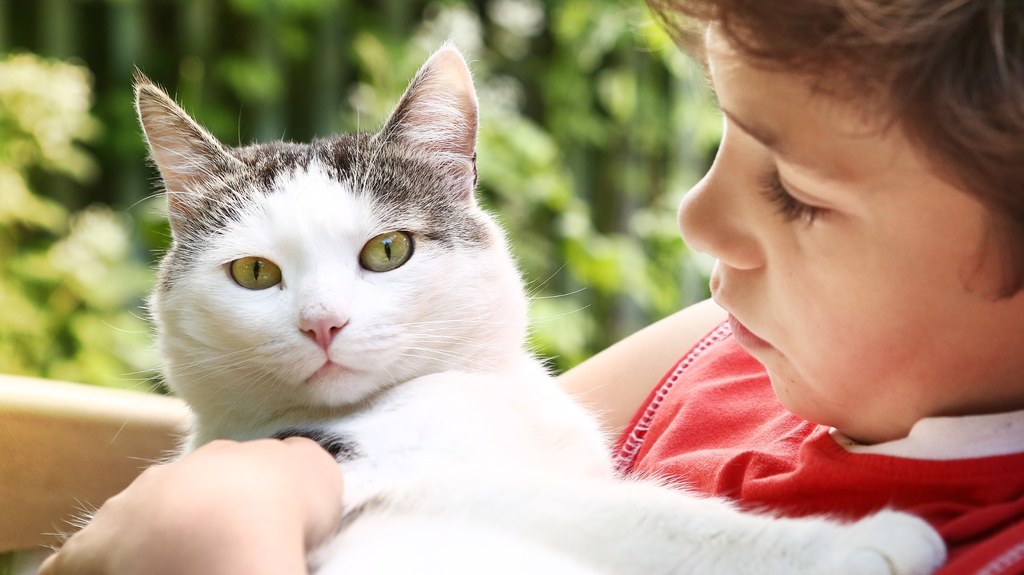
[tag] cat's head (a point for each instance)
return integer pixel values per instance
(311, 276)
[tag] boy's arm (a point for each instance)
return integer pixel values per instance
(615, 382)
(255, 507)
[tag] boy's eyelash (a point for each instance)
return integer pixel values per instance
(789, 207)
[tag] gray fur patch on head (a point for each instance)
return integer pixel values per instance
(403, 185)
(400, 181)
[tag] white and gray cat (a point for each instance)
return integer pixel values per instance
(352, 291)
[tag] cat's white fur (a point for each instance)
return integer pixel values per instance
(469, 458)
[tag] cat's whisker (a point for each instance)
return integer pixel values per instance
(558, 295)
(444, 363)
(459, 354)
(215, 357)
(147, 462)
(259, 383)
(472, 321)
(546, 318)
(202, 377)
(451, 360)
(147, 382)
(451, 319)
(533, 287)
(146, 373)
(145, 198)
(460, 348)
(442, 334)
(365, 167)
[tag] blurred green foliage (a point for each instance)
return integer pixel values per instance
(67, 281)
(592, 125)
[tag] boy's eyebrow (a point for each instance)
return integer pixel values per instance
(767, 137)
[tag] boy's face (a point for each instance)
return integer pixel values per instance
(853, 272)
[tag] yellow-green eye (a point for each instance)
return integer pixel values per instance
(255, 273)
(386, 252)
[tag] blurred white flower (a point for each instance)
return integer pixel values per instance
(44, 110)
(520, 17)
(457, 23)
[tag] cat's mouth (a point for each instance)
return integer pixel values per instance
(331, 371)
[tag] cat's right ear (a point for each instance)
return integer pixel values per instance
(188, 157)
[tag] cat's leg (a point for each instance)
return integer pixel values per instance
(709, 535)
(633, 527)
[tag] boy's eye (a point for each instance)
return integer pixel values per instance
(789, 207)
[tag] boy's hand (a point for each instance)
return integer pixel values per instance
(228, 507)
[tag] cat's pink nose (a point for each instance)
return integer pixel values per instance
(322, 330)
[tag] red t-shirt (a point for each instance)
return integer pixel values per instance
(715, 424)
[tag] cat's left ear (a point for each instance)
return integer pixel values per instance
(438, 112)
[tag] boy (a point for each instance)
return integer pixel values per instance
(866, 210)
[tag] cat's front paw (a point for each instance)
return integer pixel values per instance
(891, 542)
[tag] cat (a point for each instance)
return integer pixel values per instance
(351, 290)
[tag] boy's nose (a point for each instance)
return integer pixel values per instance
(715, 218)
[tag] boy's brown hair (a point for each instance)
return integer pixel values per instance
(950, 72)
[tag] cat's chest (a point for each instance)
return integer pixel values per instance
(463, 428)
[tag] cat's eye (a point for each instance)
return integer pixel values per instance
(386, 252)
(255, 273)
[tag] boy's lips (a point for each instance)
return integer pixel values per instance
(745, 337)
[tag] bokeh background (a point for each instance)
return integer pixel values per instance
(592, 127)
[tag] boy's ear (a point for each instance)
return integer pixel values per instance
(188, 157)
(438, 112)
